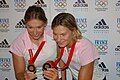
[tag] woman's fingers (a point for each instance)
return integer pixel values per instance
(51, 74)
(30, 75)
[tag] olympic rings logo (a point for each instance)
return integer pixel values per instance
(5, 65)
(60, 4)
(20, 4)
(101, 3)
(102, 47)
(4, 25)
(82, 25)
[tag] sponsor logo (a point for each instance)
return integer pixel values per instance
(102, 46)
(40, 3)
(101, 5)
(117, 8)
(20, 24)
(117, 50)
(4, 24)
(101, 71)
(5, 64)
(101, 27)
(103, 67)
(118, 3)
(82, 24)
(20, 5)
(80, 3)
(4, 44)
(60, 3)
(3, 4)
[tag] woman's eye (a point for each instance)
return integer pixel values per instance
(39, 27)
(62, 34)
(29, 27)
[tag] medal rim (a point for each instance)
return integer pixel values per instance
(45, 65)
(31, 65)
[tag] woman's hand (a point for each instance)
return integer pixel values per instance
(51, 74)
(29, 75)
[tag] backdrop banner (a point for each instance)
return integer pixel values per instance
(98, 20)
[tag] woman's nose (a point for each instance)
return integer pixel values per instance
(58, 38)
(35, 31)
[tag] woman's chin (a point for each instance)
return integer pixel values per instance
(36, 38)
(61, 45)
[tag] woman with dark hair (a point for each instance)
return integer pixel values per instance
(33, 47)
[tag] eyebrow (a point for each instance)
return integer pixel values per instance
(60, 33)
(36, 26)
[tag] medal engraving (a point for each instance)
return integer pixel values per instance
(31, 68)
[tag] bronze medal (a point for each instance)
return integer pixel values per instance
(31, 68)
(46, 65)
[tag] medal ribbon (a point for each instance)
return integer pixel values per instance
(58, 59)
(33, 58)
(69, 57)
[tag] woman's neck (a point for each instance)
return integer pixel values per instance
(38, 41)
(70, 44)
